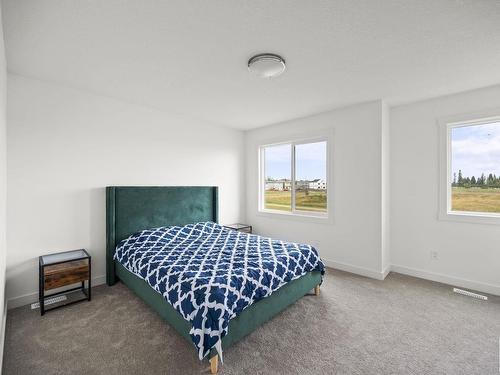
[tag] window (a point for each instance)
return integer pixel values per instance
(294, 178)
(473, 168)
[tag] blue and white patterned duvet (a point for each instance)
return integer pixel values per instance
(210, 274)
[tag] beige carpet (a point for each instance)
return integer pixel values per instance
(357, 325)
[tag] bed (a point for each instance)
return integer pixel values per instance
(131, 211)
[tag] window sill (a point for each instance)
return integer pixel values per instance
(303, 217)
(471, 217)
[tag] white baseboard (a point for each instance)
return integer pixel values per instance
(445, 279)
(357, 270)
(422, 274)
(30, 298)
(386, 271)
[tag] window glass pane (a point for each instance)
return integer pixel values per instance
(475, 168)
(278, 175)
(310, 177)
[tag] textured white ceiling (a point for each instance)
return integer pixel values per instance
(190, 57)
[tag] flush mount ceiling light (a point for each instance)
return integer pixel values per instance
(266, 65)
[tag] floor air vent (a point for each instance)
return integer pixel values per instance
(49, 301)
(470, 294)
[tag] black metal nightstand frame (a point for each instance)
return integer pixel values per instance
(240, 227)
(41, 282)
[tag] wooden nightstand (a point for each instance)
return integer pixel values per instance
(62, 269)
(245, 228)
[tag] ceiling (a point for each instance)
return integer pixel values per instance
(189, 57)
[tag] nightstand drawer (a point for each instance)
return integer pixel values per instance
(67, 273)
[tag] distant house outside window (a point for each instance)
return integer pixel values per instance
(294, 178)
(473, 168)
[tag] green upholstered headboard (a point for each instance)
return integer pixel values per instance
(130, 209)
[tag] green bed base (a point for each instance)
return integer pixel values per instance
(245, 323)
(131, 209)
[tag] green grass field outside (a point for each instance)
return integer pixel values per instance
(462, 199)
(314, 200)
(475, 199)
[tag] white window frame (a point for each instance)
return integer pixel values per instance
(322, 217)
(445, 126)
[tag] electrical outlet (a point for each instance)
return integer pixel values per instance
(434, 255)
